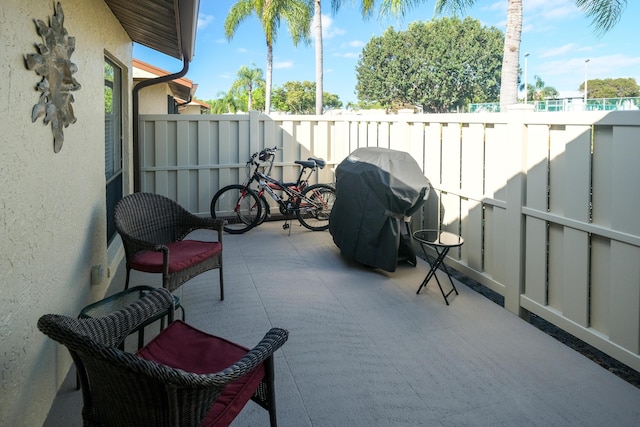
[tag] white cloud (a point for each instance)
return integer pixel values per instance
(562, 50)
(568, 73)
(498, 6)
(328, 30)
(204, 21)
(346, 49)
(558, 10)
(614, 66)
(241, 50)
(538, 15)
(282, 64)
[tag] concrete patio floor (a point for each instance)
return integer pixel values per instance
(365, 350)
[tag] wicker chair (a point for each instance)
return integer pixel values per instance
(153, 227)
(183, 377)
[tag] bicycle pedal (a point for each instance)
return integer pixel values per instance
(285, 226)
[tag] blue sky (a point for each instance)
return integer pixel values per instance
(556, 35)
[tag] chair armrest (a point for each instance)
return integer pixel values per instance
(110, 330)
(201, 222)
(134, 245)
(273, 340)
(121, 323)
(191, 222)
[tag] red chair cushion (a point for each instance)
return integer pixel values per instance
(185, 347)
(182, 254)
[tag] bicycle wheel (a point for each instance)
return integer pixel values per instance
(239, 206)
(316, 206)
(266, 211)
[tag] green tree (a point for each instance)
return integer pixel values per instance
(270, 13)
(611, 88)
(439, 65)
(539, 91)
(300, 98)
(603, 13)
(258, 98)
(248, 80)
(108, 89)
(363, 105)
(330, 101)
(226, 102)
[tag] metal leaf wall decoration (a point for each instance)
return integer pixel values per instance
(53, 63)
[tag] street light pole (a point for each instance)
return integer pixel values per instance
(526, 89)
(586, 61)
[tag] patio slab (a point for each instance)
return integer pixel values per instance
(365, 350)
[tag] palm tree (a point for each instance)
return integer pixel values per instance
(297, 13)
(604, 14)
(224, 103)
(317, 26)
(539, 91)
(248, 80)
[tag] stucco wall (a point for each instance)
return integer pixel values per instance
(191, 109)
(52, 205)
(153, 99)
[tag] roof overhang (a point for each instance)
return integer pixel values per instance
(182, 87)
(168, 26)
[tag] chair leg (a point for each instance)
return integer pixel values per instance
(271, 391)
(221, 284)
(126, 283)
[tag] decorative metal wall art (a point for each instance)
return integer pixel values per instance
(53, 63)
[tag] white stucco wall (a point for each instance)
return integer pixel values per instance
(52, 205)
(153, 99)
(191, 109)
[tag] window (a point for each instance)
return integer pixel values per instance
(172, 105)
(112, 140)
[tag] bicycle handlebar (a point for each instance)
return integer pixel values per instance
(320, 163)
(270, 151)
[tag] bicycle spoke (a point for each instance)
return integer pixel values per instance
(240, 207)
(316, 207)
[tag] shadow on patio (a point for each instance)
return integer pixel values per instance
(365, 350)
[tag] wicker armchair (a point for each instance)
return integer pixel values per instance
(153, 227)
(183, 377)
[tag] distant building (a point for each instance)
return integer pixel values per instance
(174, 97)
(194, 107)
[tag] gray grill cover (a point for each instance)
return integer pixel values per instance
(377, 189)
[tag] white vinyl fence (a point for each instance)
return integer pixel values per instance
(548, 203)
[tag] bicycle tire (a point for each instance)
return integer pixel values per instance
(239, 206)
(266, 211)
(313, 217)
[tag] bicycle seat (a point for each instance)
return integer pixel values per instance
(319, 162)
(306, 163)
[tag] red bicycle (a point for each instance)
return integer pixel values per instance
(244, 207)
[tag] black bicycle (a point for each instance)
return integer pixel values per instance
(244, 207)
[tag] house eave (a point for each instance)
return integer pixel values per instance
(168, 26)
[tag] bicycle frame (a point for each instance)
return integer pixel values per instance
(270, 185)
(244, 207)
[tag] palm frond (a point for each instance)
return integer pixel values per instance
(604, 14)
